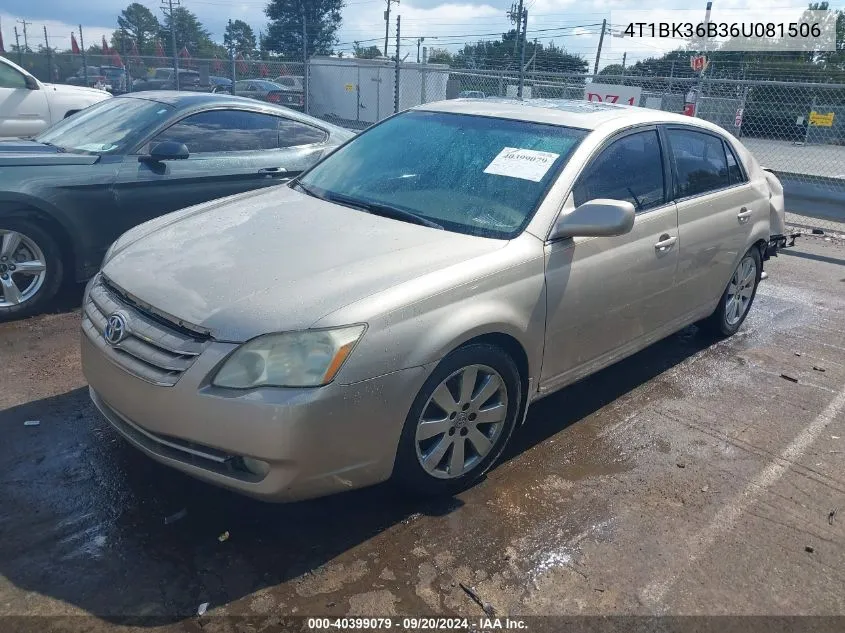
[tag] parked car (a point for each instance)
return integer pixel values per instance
(395, 310)
(111, 78)
(291, 82)
(162, 79)
(269, 91)
(471, 94)
(28, 106)
(220, 84)
(71, 191)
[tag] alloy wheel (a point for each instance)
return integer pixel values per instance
(740, 290)
(23, 268)
(461, 422)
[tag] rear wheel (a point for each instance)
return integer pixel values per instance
(30, 268)
(460, 421)
(738, 296)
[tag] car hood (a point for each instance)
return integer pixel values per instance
(275, 261)
(66, 89)
(23, 153)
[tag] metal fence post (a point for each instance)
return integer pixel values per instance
(396, 68)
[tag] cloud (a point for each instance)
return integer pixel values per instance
(58, 32)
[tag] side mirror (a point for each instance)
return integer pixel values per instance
(596, 218)
(168, 150)
(31, 83)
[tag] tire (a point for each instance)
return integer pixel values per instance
(725, 320)
(34, 291)
(456, 424)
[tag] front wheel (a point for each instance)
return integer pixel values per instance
(30, 268)
(739, 295)
(460, 421)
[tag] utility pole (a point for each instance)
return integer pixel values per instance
(25, 41)
(49, 56)
(167, 9)
(18, 46)
(396, 68)
(305, 61)
(420, 40)
(534, 58)
(624, 58)
(522, 52)
(515, 15)
(387, 23)
(601, 41)
(84, 59)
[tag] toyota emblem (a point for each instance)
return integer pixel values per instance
(116, 328)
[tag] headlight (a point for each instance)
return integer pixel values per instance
(294, 359)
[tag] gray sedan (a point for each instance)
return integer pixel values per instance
(395, 311)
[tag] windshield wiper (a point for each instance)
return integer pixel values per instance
(299, 186)
(58, 148)
(384, 210)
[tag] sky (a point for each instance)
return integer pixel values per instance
(572, 24)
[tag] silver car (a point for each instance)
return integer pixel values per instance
(394, 312)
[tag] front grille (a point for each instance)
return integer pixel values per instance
(152, 349)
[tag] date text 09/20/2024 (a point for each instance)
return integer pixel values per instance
(416, 624)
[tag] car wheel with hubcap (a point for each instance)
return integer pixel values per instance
(30, 268)
(460, 421)
(739, 295)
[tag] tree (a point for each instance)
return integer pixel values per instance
(612, 70)
(439, 56)
(240, 38)
(368, 52)
(140, 25)
(284, 33)
(190, 34)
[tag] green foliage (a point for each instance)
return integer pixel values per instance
(284, 33)
(190, 33)
(240, 38)
(140, 26)
(366, 52)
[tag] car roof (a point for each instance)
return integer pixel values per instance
(586, 115)
(198, 100)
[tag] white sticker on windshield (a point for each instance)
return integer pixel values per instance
(527, 164)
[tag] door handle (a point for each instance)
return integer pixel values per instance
(743, 215)
(666, 242)
(272, 170)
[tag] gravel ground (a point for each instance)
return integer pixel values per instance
(692, 478)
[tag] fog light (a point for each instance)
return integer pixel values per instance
(256, 466)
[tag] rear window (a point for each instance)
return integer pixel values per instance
(700, 162)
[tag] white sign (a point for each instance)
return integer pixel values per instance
(527, 164)
(604, 93)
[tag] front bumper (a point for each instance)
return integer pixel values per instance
(314, 441)
(777, 242)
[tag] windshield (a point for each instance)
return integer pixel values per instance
(470, 174)
(109, 127)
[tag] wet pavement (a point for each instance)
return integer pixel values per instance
(691, 478)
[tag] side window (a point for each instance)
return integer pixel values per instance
(11, 78)
(734, 171)
(700, 162)
(628, 169)
(224, 131)
(293, 133)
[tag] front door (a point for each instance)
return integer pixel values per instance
(606, 296)
(23, 111)
(716, 211)
(231, 151)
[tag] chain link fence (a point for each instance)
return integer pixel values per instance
(794, 128)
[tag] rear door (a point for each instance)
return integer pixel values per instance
(606, 295)
(231, 151)
(23, 112)
(716, 208)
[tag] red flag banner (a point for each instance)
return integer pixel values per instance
(242, 67)
(116, 60)
(74, 47)
(264, 71)
(135, 54)
(106, 49)
(159, 49)
(217, 65)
